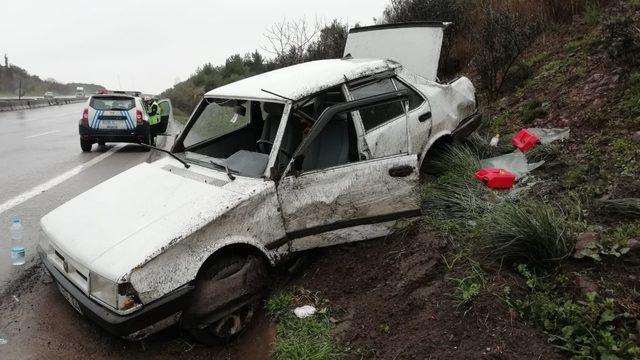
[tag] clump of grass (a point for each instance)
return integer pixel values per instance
(532, 110)
(456, 197)
(459, 160)
(530, 231)
(546, 152)
(308, 338)
(456, 194)
(622, 208)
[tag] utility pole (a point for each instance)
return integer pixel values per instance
(20, 90)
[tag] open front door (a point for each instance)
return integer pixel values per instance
(330, 196)
(166, 115)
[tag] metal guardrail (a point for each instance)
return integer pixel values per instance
(10, 104)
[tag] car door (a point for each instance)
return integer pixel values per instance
(382, 128)
(166, 114)
(327, 187)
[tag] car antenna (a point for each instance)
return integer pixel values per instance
(278, 95)
(186, 164)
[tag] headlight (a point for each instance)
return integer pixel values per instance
(121, 297)
(103, 289)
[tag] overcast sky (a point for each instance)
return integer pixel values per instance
(146, 45)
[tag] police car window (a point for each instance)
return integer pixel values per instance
(218, 118)
(376, 115)
(112, 103)
(415, 100)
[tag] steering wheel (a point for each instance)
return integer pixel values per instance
(267, 142)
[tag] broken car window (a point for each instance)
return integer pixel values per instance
(218, 118)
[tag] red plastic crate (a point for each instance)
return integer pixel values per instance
(496, 178)
(525, 140)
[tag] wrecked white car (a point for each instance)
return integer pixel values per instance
(312, 155)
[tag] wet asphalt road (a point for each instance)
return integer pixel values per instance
(40, 150)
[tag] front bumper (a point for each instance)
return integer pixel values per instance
(139, 134)
(136, 325)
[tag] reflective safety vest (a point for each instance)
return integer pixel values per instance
(153, 119)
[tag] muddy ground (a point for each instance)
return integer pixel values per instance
(394, 294)
(38, 323)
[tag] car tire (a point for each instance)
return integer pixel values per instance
(85, 145)
(219, 325)
(101, 143)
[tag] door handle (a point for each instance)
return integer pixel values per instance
(401, 171)
(424, 117)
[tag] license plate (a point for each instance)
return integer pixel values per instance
(111, 113)
(111, 124)
(70, 299)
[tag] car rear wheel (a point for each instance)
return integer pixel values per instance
(101, 143)
(85, 145)
(227, 294)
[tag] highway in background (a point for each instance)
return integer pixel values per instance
(42, 167)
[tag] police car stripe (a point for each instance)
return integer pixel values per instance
(129, 121)
(126, 119)
(93, 121)
(98, 120)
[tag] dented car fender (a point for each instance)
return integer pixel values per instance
(179, 264)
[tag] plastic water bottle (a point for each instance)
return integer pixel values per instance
(17, 243)
(494, 141)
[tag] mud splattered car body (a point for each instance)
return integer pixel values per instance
(312, 155)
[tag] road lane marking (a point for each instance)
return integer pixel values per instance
(42, 134)
(11, 203)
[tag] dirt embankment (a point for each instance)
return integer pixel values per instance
(396, 297)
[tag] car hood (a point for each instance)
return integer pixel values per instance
(128, 219)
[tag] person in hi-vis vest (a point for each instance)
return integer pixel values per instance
(153, 110)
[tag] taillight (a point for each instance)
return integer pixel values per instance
(139, 116)
(85, 117)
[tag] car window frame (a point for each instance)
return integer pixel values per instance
(193, 119)
(319, 125)
(393, 78)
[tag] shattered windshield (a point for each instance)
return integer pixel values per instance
(234, 135)
(218, 118)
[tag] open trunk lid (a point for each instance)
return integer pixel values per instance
(415, 45)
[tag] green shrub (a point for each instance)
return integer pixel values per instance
(529, 231)
(590, 329)
(532, 110)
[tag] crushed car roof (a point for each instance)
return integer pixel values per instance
(298, 81)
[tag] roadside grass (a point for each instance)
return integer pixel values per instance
(528, 230)
(590, 328)
(180, 116)
(536, 236)
(308, 338)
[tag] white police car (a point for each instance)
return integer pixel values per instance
(119, 116)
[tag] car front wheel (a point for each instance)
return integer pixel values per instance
(227, 294)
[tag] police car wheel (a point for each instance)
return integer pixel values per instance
(85, 145)
(101, 143)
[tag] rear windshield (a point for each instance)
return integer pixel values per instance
(112, 103)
